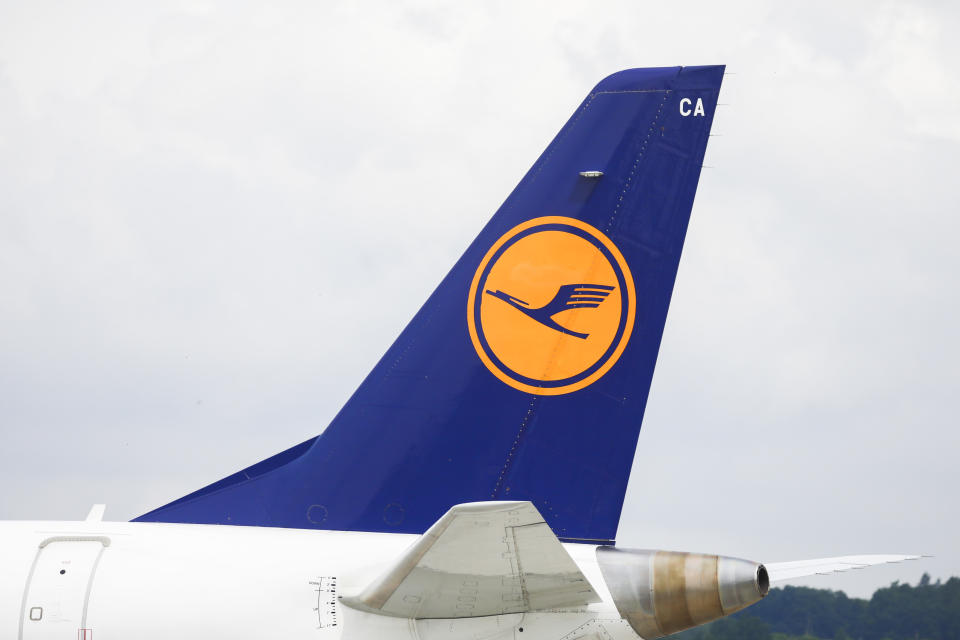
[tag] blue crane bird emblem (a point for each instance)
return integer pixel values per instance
(568, 296)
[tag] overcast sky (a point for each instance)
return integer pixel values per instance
(215, 218)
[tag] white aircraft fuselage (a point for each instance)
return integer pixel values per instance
(159, 581)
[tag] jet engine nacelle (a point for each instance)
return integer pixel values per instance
(662, 592)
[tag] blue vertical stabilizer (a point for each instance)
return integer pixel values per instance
(525, 374)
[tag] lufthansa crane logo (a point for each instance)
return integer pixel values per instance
(551, 306)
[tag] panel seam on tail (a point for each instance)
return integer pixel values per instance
(516, 444)
(636, 163)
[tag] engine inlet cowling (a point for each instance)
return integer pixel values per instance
(662, 592)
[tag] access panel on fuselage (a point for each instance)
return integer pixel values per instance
(57, 591)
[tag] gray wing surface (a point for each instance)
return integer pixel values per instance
(479, 559)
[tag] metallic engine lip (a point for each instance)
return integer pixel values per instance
(763, 581)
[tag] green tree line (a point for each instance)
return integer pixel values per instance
(927, 611)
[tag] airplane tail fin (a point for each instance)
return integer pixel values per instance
(525, 374)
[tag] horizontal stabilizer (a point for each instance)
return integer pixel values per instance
(781, 571)
(479, 559)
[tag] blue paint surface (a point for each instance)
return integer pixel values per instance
(431, 427)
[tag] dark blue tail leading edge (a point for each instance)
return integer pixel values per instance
(515, 381)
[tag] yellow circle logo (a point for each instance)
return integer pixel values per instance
(551, 306)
